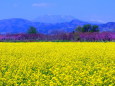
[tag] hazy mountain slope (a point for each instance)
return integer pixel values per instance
(110, 26)
(53, 19)
(14, 25)
(17, 25)
(21, 26)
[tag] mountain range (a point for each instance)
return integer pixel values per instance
(53, 19)
(18, 25)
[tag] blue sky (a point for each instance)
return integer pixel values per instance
(88, 10)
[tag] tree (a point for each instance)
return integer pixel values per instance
(32, 30)
(95, 28)
(87, 28)
(79, 29)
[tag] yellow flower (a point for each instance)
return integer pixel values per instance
(57, 64)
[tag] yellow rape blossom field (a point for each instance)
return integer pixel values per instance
(57, 64)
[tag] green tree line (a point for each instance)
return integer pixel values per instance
(87, 28)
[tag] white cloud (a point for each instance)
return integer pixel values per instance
(40, 4)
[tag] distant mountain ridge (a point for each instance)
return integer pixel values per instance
(18, 25)
(53, 19)
(108, 26)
